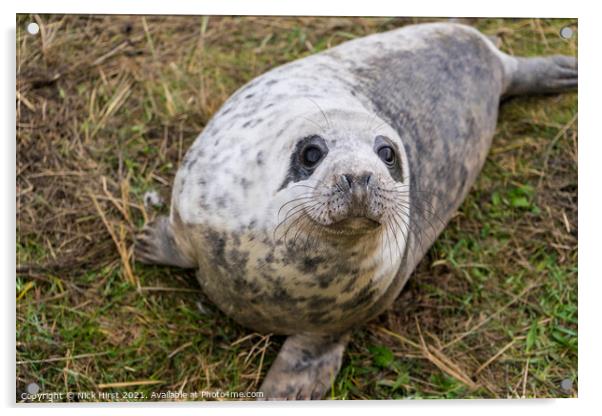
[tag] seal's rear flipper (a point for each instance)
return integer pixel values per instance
(305, 367)
(539, 75)
(156, 244)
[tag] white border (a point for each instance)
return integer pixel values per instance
(590, 217)
(513, 8)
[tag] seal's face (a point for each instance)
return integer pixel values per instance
(346, 181)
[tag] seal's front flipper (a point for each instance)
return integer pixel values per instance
(540, 75)
(305, 367)
(157, 244)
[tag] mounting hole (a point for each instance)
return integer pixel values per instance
(566, 32)
(33, 388)
(33, 28)
(566, 384)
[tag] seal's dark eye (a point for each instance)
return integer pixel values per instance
(311, 156)
(387, 155)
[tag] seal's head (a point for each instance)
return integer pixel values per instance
(347, 178)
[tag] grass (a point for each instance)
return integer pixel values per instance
(106, 108)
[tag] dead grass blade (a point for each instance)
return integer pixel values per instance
(442, 362)
(55, 359)
(122, 93)
(399, 337)
(496, 355)
(130, 383)
(120, 243)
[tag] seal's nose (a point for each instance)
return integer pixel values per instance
(361, 180)
(357, 186)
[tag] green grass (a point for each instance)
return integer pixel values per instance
(499, 287)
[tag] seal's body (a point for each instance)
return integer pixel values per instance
(313, 192)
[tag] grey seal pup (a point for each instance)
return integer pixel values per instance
(314, 191)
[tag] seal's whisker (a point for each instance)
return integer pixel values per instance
(375, 129)
(427, 224)
(293, 212)
(370, 122)
(406, 235)
(305, 185)
(409, 232)
(314, 123)
(289, 215)
(321, 111)
(300, 185)
(312, 227)
(408, 190)
(300, 208)
(386, 231)
(302, 226)
(303, 212)
(301, 204)
(395, 237)
(418, 198)
(390, 227)
(304, 197)
(416, 233)
(419, 210)
(392, 217)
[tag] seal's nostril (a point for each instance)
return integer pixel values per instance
(348, 179)
(367, 178)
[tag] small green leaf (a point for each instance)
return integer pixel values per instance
(526, 190)
(496, 200)
(382, 356)
(403, 378)
(520, 202)
(532, 336)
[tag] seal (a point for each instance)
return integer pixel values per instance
(314, 191)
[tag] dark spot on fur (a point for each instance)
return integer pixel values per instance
(321, 302)
(364, 297)
(324, 280)
(238, 260)
(351, 282)
(245, 183)
(310, 264)
(259, 158)
(220, 201)
(319, 318)
(269, 258)
(218, 246)
(252, 123)
(192, 162)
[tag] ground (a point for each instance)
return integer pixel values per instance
(106, 108)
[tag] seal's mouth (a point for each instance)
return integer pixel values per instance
(355, 225)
